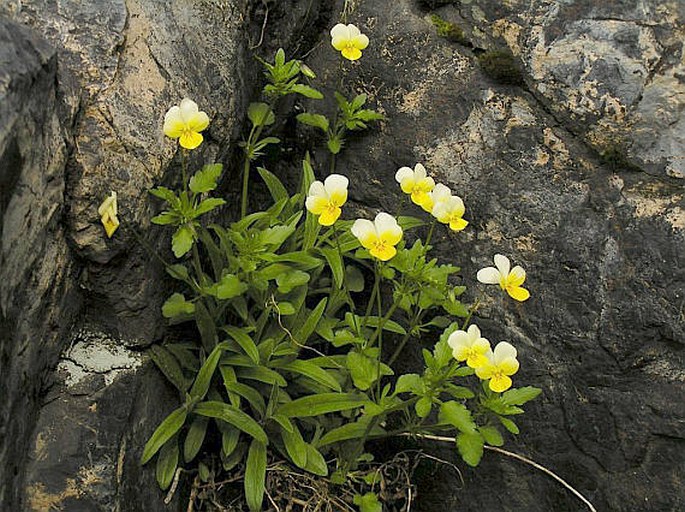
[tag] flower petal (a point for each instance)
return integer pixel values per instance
(419, 172)
(500, 383)
(188, 109)
(361, 41)
(351, 53)
(339, 43)
(365, 231)
(517, 276)
(383, 253)
(198, 122)
(316, 204)
(352, 31)
(502, 264)
(509, 366)
(387, 228)
(458, 339)
(190, 140)
(329, 216)
(336, 187)
(403, 173)
(518, 293)
(486, 371)
(502, 351)
(340, 30)
(488, 275)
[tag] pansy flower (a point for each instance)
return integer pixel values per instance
(509, 279)
(500, 366)
(416, 183)
(348, 40)
(108, 214)
(185, 122)
(469, 346)
(380, 236)
(325, 199)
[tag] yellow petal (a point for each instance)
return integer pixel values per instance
(485, 372)
(339, 43)
(316, 204)
(336, 188)
(407, 184)
(110, 223)
(384, 253)
(190, 140)
(329, 216)
(476, 360)
(198, 122)
(351, 53)
(518, 293)
(509, 366)
(365, 231)
(174, 127)
(500, 383)
(458, 224)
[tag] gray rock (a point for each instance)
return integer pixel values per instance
(603, 333)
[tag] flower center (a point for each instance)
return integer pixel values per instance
(331, 207)
(380, 246)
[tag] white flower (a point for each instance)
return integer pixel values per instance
(380, 236)
(418, 184)
(348, 40)
(469, 346)
(325, 199)
(502, 363)
(508, 280)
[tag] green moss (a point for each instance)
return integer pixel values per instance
(448, 30)
(501, 66)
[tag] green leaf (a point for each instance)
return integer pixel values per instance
(194, 438)
(368, 502)
(315, 461)
(423, 407)
(348, 431)
(388, 325)
(203, 472)
(260, 114)
(178, 271)
(229, 287)
(315, 120)
(207, 205)
(262, 374)
(229, 439)
(334, 145)
(169, 366)
(491, 435)
(407, 222)
(312, 371)
(288, 280)
(322, 403)
(354, 279)
(335, 263)
(302, 333)
(164, 432)
(364, 370)
(166, 218)
(275, 186)
(177, 305)
(166, 464)
(470, 447)
(243, 339)
(206, 326)
(205, 179)
(457, 415)
(509, 425)
(182, 240)
(459, 392)
(358, 102)
(295, 446)
(408, 382)
(307, 91)
(520, 396)
(255, 475)
(232, 415)
(248, 393)
(204, 376)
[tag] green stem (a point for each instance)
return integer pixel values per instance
(374, 292)
(415, 321)
(430, 234)
(472, 310)
(184, 168)
(246, 170)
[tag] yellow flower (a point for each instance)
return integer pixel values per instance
(325, 199)
(348, 40)
(108, 214)
(416, 183)
(185, 122)
(469, 346)
(380, 236)
(501, 364)
(450, 211)
(508, 280)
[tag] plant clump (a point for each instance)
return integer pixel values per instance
(450, 31)
(501, 66)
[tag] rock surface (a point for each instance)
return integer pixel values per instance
(602, 241)
(575, 174)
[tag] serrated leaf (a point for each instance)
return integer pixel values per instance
(509, 425)
(368, 502)
(322, 403)
(205, 179)
(408, 382)
(458, 416)
(334, 145)
(194, 438)
(166, 464)
(260, 114)
(177, 305)
(182, 240)
(207, 205)
(255, 475)
(233, 416)
(470, 447)
(165, 431)
(520, 396)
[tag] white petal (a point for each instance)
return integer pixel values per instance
(317, 189)
(173, 115)
(340, 30)
(488, 275)
(518, 271)
(188, 109)
(336, 182)
(419, 172)
(474, 333)
(441, 193)
(403, 173)
(504, 350)
(386, 222)
(502, 263)
(353, 31)
(363, 228)
(458, 339)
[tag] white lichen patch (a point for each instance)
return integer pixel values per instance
(92, 353)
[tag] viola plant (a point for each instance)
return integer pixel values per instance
(301, 314)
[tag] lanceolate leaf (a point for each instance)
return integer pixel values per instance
(169, 366)
(255, 475)
(295, 446)
(245, 342)
(204, 376)
(314, 372)
(167, 463)
(234, 416)
(276, 188)
(322, 403)
(194, 438)
(303, 333)
(347, 432)
(164, 432)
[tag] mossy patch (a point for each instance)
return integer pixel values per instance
(449, 30)
(501, 66)
(614, 157)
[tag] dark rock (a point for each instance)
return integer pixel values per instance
(38, 295)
